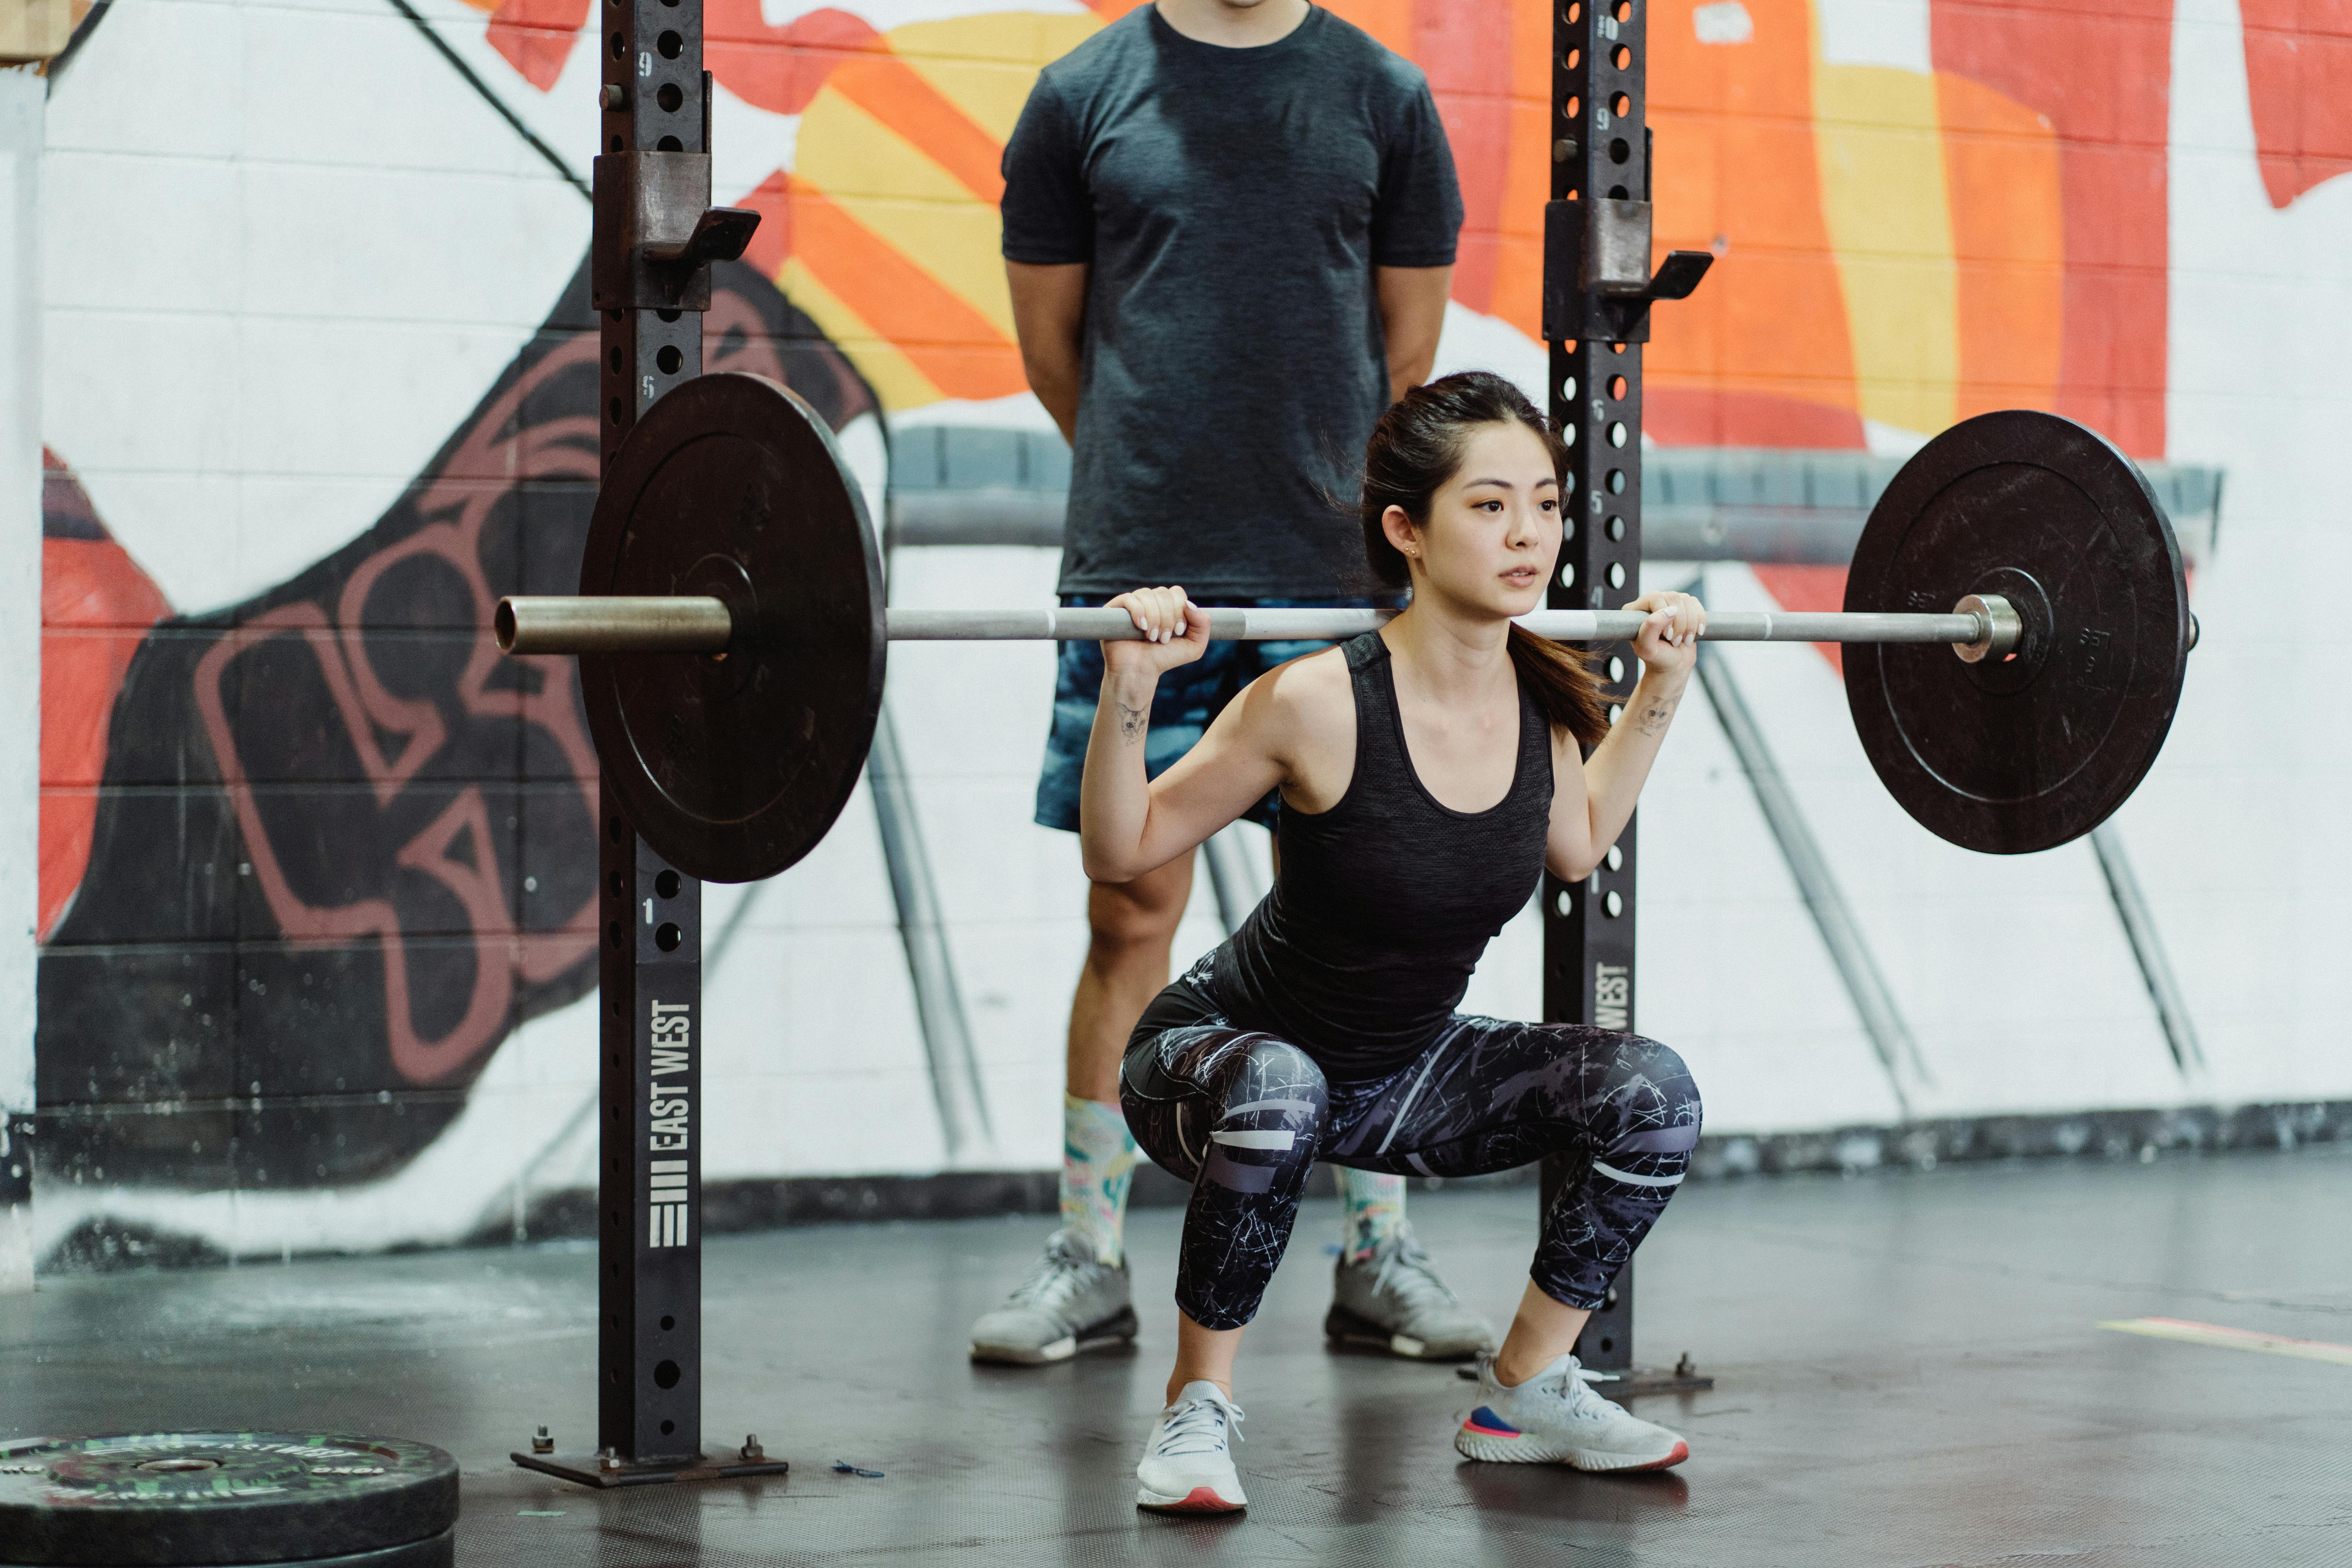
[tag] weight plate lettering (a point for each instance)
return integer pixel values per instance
(194, 1499)
(2015, 755)
(732, 767)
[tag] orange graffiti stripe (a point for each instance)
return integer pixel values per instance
(954, 344)
(2009, 247)
(895, 93)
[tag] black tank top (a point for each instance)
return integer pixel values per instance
(1385, 902)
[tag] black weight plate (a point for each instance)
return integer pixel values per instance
(181, 1500)
(732, 768)
(439, 1552)
(2020, 755)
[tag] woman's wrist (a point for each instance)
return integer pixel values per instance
(1127, 696)
(1656, 697)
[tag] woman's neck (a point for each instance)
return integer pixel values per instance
(1451, 657)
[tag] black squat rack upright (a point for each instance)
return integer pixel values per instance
(1597, 292)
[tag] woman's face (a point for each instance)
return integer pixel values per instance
(1493, 531)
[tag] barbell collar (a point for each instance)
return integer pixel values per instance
(2002, 629)
(1984, 627)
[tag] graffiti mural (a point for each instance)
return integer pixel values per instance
(314, 860)
(338, 844)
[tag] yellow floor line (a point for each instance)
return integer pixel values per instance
(2233, 1339)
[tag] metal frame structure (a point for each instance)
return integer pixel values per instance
(655, 232)
(1597, 293)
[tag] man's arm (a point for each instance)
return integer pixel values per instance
(1413, 312)
(1049, 315)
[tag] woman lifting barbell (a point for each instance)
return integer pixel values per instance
(1428, 772)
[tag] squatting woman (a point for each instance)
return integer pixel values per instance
(1429, 772)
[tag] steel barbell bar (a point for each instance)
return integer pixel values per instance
(1979, 627)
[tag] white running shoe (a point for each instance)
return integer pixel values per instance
(1188, 1466)
(1555, 1418)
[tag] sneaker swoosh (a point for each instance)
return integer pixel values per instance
(1483, 1421)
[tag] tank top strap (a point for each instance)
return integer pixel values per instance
(1534, 744)
(1378, 723)
(1361, 652)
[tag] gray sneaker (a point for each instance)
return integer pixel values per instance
(1069, 1303)
(1393, 1300)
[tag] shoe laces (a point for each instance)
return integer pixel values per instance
(1054, 1278)
(1406, 1271)
(1568, 1386)
(1203, 1424)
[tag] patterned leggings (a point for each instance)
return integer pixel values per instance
(1243, 1116)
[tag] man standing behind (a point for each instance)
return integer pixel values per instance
(1230, 229)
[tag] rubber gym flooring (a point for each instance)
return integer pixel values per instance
(1912, 1372)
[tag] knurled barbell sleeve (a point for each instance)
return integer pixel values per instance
(566, 623)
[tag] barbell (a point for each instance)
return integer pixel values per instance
(731, 634)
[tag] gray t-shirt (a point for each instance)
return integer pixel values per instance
(1234, 204)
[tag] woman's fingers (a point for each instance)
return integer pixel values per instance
(1162, 615)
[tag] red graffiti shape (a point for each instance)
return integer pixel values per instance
(537, 35)
(780, 69)
(2299, 81)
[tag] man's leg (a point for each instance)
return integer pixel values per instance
(1371, 1209)
(1130, 926)
(1078, 1298)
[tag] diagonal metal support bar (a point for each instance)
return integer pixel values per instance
(956, 1089)
(2147, 947)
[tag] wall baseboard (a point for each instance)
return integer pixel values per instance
(734, 1207)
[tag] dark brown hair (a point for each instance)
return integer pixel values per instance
(1417, 446)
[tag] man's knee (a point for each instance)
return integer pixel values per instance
(1141, 916)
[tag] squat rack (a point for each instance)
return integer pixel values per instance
(655, 232)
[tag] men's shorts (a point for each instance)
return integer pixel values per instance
(1188, 697)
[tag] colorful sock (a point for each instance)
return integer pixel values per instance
(1371, 1207)
(1098, 1162)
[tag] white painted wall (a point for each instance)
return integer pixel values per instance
(21, 115)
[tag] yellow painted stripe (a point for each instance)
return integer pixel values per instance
(986, 65)
(1881, 160)
(894, 376)
(2187, 1332)
(918, 208)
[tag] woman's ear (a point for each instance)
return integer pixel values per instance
(1401, 532)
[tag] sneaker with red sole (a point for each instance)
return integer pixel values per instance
(1188, 1466)
(1555, 1418)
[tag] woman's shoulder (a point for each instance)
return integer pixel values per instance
(1322, 675)
(1311, 693)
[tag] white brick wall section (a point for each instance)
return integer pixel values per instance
(21, 118)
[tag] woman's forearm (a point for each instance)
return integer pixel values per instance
(1115, 796)
(1620, 765)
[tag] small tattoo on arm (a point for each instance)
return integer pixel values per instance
(1654, 718)
(1133, 722)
